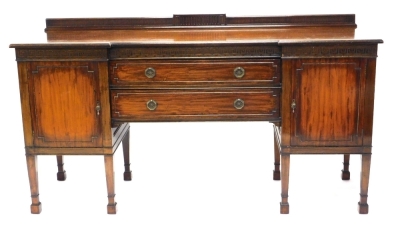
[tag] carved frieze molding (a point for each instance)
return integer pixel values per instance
(172, 52)
(199, 20)
(41, 54)
(329, 50)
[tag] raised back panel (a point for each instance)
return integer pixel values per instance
(200, 27)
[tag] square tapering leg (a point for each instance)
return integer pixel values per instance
(125, 146)
(365, 170)
(109, 166)
(285, 183)
(345, 171)
(277, 160)
(31, 161)
(61, 174)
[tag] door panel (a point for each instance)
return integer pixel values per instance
(64, 96)
(328, 109)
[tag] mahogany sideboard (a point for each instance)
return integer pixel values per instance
(308, 75)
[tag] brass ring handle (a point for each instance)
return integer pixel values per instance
(151, 105)
(238, 104)
(150, 72)
(239, 72)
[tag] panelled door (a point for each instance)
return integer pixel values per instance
(64, 99)
(327, 106)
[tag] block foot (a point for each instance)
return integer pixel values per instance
(36, 208)
(128, 176)
(277, 175)
(284, 208)
(362, 208)
(112, 208)
(61, 176)
(345, 175)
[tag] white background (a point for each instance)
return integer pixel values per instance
(200, 175)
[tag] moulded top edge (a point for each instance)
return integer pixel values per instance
(328, 41)
(62, 45)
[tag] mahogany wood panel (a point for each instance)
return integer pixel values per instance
(195, 34)
(27, 118)
(195, 73)
(328, 94)
(64, 96)
(369, 101)
(131, 105)
(104, 102)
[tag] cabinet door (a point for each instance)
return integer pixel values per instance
(63, 99)
(327, 105)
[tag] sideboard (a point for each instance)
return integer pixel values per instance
(307, 75)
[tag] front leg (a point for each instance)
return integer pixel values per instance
(109, 166)
(285, 184)
(31, 162)
(365, 169)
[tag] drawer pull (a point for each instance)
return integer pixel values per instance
(238, 72)
(293, 105)
(150, 72)
(238, 104)
(151, 105)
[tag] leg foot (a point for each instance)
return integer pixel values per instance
(128, 176)
(345, 175)
(362, 208)
(36, 208)
(112, 208)
(61, 174)
(345, 171)
(277, 175)
(284, 208)
(125, 147)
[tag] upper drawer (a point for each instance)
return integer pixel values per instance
(240, 73)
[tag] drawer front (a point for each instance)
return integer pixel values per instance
(181, 105)
(195, 72)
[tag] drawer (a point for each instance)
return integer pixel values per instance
(181, 105)
(258, 72)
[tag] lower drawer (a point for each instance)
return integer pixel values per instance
(192, 105)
